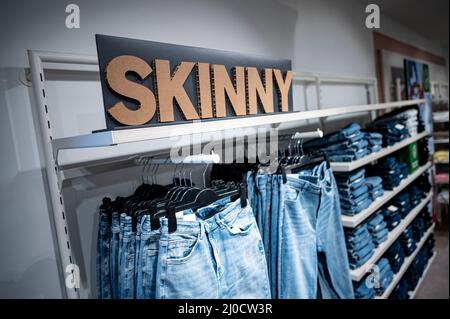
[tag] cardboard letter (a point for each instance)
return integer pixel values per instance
(116, 79)
(255, 88)
(170, 87)
(235, 91)
(283, 88)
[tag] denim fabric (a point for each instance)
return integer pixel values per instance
(103, 251)
(380, 236)
(353, 210)
(252, 192)
(312, 258)
(114, 255)
(350, 178)
(355, 193)
(147, 263)
(353, 201)
(275, 235)
(127, 255)
(209, 258)
(396, 256)
(362, 291)
(385, 275)
(346, 133)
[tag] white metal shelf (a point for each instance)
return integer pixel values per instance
(358, 273)
(350, 166)
(441, 141)
(353, 221)
(108, 138)
(406, 263)
(412, 294)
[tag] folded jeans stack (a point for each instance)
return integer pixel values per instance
(403, 203)
(363, 290)
(392, 216)
(407, 241)
(396, 256)
(360, 246)
(409, 118)
(375, 141)
(390, 170)
(385, 276)
(378, 229)
(353, 192)
(392, 130)
(418, 228)
(375, 184)
(415, 195)
(346, 145)
(401, 290)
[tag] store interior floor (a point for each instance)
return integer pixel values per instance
(436, 283)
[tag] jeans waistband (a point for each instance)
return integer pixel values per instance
(225, 216)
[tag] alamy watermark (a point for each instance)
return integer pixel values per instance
(73, 17)
(373, 17)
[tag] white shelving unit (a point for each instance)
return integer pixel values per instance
(353, 221)
(407, 262)
(350, 166)
(358, 273)
(41, 61)
(412, 294)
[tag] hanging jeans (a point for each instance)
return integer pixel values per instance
(103, 251)
(312, 257)
(221, 255)
(127, 255)
(114, 255)
(147, 260)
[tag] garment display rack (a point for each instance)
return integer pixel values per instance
(52, 146)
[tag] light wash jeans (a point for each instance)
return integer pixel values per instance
(312, 257)
(220, 255)
(127, 256)
(147, 260)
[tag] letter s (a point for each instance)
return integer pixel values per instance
(116, 77)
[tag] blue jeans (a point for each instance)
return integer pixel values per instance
(264, 188)
(312, 257)
(103, 251)
(347, 133)
(353, 210)
(114, 255)
(221, 255)
(147, 261)
(127, 256)
(350, 178)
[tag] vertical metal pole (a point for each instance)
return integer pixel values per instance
(63, 241)
(319, 103)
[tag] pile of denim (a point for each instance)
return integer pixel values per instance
(392, 130)
(363, 290)
(396, 125)
(403, 202)
(384, 276)
(407, 241)
(375, 184)
(354, 193)
(396, 256)
(346, 145)
(377, 228)
(390, 170)
(426, 216)
(410, 119)
(392, 216)
(418, 226)
(415, 195)
(423, 182)
(375, 141)
(401, 290)
(360, 246)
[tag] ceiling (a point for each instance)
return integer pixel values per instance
(428, 18)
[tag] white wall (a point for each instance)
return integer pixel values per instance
(320, 36)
